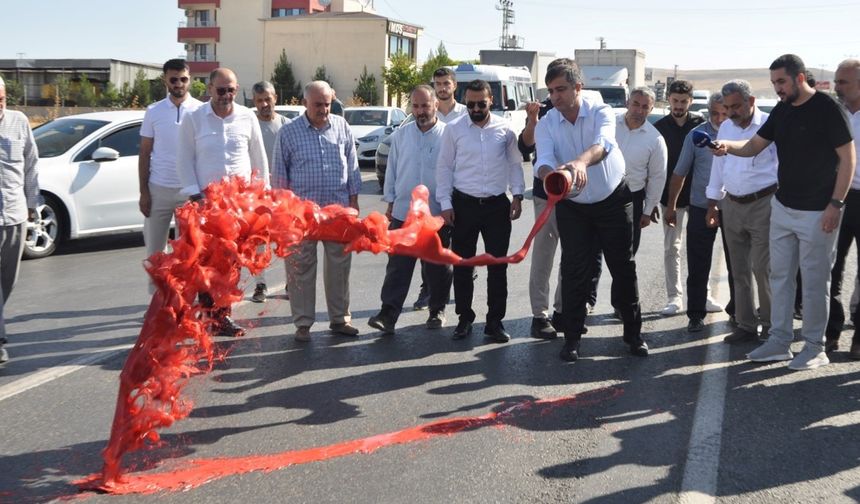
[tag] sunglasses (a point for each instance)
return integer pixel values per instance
(174, 80)
(224, 90)
(479, 104)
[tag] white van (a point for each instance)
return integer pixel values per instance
(512, 88)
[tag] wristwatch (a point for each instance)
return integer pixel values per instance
(837, 203)
(518, 197)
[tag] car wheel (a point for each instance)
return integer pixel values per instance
(44, 234)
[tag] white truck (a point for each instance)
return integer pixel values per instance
(609, 81)
(512, 88)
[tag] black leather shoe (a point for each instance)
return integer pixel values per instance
(496, 332)
(383, 322)
(462, 331)
(739, 336)
(436, 319)
(542, 329)
(696, 325)
(226, 327)
(569, 353)
(639, 349)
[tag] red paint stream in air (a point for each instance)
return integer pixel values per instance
(221, 235)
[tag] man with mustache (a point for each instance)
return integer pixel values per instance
(816, 164)
(478, 162)
(220, 139)
(160, 187)
(412, 162)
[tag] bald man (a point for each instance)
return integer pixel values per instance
(220, 139)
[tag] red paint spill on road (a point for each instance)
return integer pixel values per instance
(220, 235)
(197, 472)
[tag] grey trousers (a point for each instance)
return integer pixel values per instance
(543, 258)
(796, 238)
(302, 278)
(11, 248)
(747, 228)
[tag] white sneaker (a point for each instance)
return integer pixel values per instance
(770, 351)
(4, 356)
(672, 308)
(810, 357)
(712, 306)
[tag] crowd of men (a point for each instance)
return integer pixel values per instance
(780, 188)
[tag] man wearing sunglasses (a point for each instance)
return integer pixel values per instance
(577, 138)
(220, 139)
(478, 162)
(160, 188)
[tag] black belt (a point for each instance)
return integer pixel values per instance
(749, 198)
(480, 201)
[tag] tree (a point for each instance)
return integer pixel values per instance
(140, 89)
(434, 62)
(366, 91)
(320, 75)
(400, 76)
(62, 89)
(110, 97)
(86, 96)
(284, 81)
(14, 92)
(197, 89)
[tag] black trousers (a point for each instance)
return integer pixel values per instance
(584, 230)
(638, 202)
(491, 219)
(398, 277)
(700, 251)
(849, 231)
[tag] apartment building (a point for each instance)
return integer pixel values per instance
(248, 36)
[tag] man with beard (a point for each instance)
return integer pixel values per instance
(744, 187)
(816, 164)
(445, 84)
(412, 162)
(315, 158)
(674, 128)
(847, 81)
(478, 162)
(220, 139)
(265, 99)
(160, 187)
(577, 138)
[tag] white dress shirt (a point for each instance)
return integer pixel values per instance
(411, 162)
(480, 162)
(558, 141)
(855, 131)
(161, 124)
(644, 152)
(211, 148)
(458, 111)
(740, 176)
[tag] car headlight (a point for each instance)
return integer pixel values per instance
(383, 149)
(369, 138)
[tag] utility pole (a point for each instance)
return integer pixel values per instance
(602, 41)
(508, 41)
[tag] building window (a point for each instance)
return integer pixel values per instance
(287, 12)
(201, 19)
(201, 52)
(397, 44)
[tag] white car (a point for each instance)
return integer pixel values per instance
(290, 111)
(88, 178)
(371, 125)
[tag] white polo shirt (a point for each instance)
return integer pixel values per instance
(161, 123)
(644, 151)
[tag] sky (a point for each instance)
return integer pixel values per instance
(730, 34)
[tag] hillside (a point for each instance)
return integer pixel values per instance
(759, 78)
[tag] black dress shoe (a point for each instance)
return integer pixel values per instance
(739, 336)
(226, 327)
(383, 322)
(496, 332)
(639, 349)
(542, 329)
(462, 331)
(569, 353)
(696, 325)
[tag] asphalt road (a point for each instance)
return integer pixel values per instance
(692, 422)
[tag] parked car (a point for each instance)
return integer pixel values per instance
(88, 179)
(370, 125)
(766, 104)
(382, 153)
(290, 111)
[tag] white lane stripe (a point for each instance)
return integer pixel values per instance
(699, 485)
(39, 378)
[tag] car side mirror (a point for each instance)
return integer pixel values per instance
(105, 154)
(511, 104)
(389, 130)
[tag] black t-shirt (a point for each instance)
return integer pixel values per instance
(806, 139)
(674, 136)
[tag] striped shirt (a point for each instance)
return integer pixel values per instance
(19, 175)
(317, 164)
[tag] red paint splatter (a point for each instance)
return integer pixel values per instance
(197, 472)
(221, 235)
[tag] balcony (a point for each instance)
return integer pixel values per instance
(202, 66)
(185, 4)
(187, 33)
